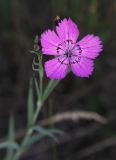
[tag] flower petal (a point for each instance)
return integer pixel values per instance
(81, 67)
(67, 30)
(57, 68)
(90, 46)
(50, 42)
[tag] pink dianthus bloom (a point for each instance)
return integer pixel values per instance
(68, 52)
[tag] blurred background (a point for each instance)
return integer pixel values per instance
(20, 21)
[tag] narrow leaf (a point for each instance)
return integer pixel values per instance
(33, 139)
(42, 133)
(47, 132)
(11, 131)
(9, 145)
(30, 104)
(51, 85)
(36, 87)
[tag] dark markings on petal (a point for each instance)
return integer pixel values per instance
(59, 48)
(69, 41)
(62, 62)
(76, 60)
(79, 49)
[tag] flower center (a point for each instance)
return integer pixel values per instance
(65, 47)
(68, 53)
(71, 52)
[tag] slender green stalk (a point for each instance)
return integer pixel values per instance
(23, 145)
(11, 138)
(43, 96)
(39, 106)
(40, 77)
(39, 102)
(51, 85)
(41, 86)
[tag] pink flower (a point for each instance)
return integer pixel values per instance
(62, 43)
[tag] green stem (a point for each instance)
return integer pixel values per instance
(39, 106)
(50, 87)
(41, 86)
(23, 145)
(39, 102)
(40, 76)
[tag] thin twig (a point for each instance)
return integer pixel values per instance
(74, 116)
